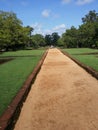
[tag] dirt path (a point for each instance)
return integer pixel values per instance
(63, 97)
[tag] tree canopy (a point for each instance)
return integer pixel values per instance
(86, 35)
(13, 35)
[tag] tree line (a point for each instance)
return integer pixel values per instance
(85, 36)
(15, 36)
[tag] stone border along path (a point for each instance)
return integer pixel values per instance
(63, 97)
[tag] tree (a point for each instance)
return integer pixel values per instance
(54, 38)
(91, 17)
(30, 30)
(87, 33)
(70, 37)
(61, 43)
(38, 40)
(9, 29)
(89, 29)
(12, 34)
(48, 40)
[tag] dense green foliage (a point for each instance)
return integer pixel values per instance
(52, 39)
(15, 72)
(12, 34)
(38, 41)
(85, 55)
(85, 36)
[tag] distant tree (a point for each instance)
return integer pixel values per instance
(54, 38)
(38, 40)
(91, 17)
(30, 30)
(89, 29)
(87, 33)
(61, 42)
(70, 37)
(48, 40)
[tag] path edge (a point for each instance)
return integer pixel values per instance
(11, 114)
(87, 68)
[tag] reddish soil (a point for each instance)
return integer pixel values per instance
(63, 97)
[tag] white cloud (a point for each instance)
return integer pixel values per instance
(24, 3)
(47, 31)
(38, 29)
(55, 16)
(78, 2)
(46, 13)
(82, 2)
(36, 25)
(59, 27)
(66, 1)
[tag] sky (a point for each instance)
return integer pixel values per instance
(48, 16)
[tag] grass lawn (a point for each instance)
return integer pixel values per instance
(85, 55)
(15, 72)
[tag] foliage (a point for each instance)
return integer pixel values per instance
(48, 39)
(91, 17)
(38, 40)
(86, 35)
(70, 37)
(12, 34)
(60, 43)
(52, 39)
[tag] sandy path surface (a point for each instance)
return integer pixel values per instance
(63, 97)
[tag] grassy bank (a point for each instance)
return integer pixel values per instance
(15, 72)
(85, 55)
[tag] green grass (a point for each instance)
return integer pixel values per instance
(89, 60)
(14, 73)
(22, 53)
(80, 50)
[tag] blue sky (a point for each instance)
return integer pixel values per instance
(47, 16)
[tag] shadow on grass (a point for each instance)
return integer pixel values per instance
(2, 61)
(93, 53)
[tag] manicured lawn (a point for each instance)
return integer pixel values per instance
(22, 53)
(85, 55)
(15, 72)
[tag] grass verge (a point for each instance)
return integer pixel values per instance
(86, 56)
(14, 73)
